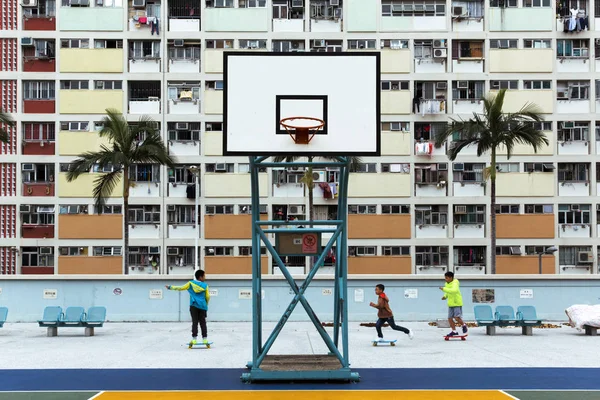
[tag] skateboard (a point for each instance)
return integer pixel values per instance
(391, 342)
(462, 337)
(199, 345)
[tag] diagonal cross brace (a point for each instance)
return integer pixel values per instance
(299, 297)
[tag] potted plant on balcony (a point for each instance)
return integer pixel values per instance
(123, 152)
(489, 132)
(5, 119)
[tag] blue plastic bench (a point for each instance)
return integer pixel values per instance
(484, 316)
(72, 317)
(3, 314)
(527, 318)
(95, 318)
(51, 319)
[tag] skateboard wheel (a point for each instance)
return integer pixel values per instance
(463, 338)
(446, 339)
(392, 344)
(375, 344)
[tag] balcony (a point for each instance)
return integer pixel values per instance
(38, 139)
(144, 56)
(379, 185)
(532, 19)
(39, 18)
(573, 97)
(145, 19)
(39, 63)
(37, 231)
(524, 265)
(467, 56)
(39, 106)
(89, 101)
(83, 186)
(184, 98)
(38, 180)
(92, 19)
(468, 181)
(233, 185)
(184, 56)
(143, 230)
(150, 105)
(525, 184)
(325, 17)
(395, 61)
(37, 222)
(467, 17)
(379, 226)
(521, 60)
(91, 60)
(254, 19)
(573, 179)
(396, 265)
(230, 265)
(88, 265)
(565, 24)
(184, 17)
(106, 226)
(470, 260)
(431, 180)
(74, 143)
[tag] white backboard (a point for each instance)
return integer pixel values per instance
(261, 88)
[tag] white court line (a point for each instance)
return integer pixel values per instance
(96, 395)
(509, 395)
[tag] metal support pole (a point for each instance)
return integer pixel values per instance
(540, 262)
(197, 230)
(256, 265)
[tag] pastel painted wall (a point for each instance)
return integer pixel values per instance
(75, 143)
(396, 102)
(23, 297)
(525, 184)
(232, 185)
(361, 15)
(82, 187)
(213, 143)
(521, 60)
(534, 19)
(379, 185)
(395, 61)
(90, 101)
(91, 60)
(396, 143)
(514, 100)
(105, 19)
(236, 19)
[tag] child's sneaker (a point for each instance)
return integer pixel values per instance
(378, 339)
(205, 340)
(410, 334)
(193, 341)
(453, 333)
(464, 328)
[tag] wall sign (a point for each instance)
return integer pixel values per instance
(117, 291)
(213, 292)
(156, 294)
(359, 295)
(50, 294)
(326, 292)
(245, 294)
(411, 293)
(526, 293)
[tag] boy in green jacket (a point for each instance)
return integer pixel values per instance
(452, 292)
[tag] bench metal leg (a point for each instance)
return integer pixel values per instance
(527, 330)
(490, 330)
(89, 331)
(591, 330)
(52, 331)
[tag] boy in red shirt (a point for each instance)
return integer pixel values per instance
(384, 314)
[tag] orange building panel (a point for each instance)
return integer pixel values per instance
(524, 265)
(84, 265)
(525, 226)
(90, 226)
(229, 226)
(379, 226)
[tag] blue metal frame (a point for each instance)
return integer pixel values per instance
(339, 238)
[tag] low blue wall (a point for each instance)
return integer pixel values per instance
(26, 301)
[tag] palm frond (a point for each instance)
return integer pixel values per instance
(84, 164)
(153, 150)
(104, 185)
(115, 127)
(6, 119)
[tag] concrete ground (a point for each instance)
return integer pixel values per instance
(162, 345)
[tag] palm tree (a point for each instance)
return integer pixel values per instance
(491, 131)
(5, 118)
(308, 181)
(128, 145)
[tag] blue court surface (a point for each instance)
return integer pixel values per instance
(409, 383)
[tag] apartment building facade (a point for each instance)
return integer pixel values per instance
(412, 211)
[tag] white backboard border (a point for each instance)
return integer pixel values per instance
(300, 152)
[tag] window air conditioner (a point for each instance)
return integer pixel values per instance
(334, 2)
(221, 167)
(178, 43)
(439, 44)
(442, 167)
(462, 84)
(575, 207)
(319, 176)
(181, 126)
(585, 257)
(26, 41)
(154, 250)
(568, 124)
(172, 251)
(296, 210)
(441, 85)
(46, 250)
(171, 207)
(139, 3)
(457, 11)
(26, 208)
(29, 3)
(440, 53)
(297, 3)
(460, 209)
(458, 167)
(319, 43)
(27, 167)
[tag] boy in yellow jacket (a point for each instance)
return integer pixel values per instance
(452, 293)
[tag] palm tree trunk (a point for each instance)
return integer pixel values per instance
(126, 220)
(493, 211)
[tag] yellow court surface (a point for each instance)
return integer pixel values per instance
(313, 394)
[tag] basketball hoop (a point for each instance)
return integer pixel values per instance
(304, 130)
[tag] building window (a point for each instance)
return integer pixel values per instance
(183, 9)
(574, 132)
(285, 46)
(395, 209)
(108, 85)
(543, 126)
(362, 209)
(144, 214)
(247, 251)
(534, 250)
(180, 256)
(219, 167)
(252, 3)
(507, 167)
(75, 44)
(144, 50)
(144, 173)
(503, 3)
(431, 255)
(362, 44)
(80, 126)
(572, 48)
(467, 49)
(503, 43)
(395, 250)
(468, 90)
(219, 43)
(219, 209)
(181, 215)
(537, 85)
(185, 53)
(354, 251)
(394, 44)
(431, 174)
(395, 126)
(44, 9)
(469, 214)
(38, 90)
(574, 213)
(395, 85)
(403, 168)
(74, 85)
(37, 173)
(508, 250)
(507, 208)
(497, 85)
(247, 209)
(400, 8)
(423, 48)
(218, 251)
(467, 172)
(538, 167)
(574, 255)
(37, 257)
(37, 132)
(431, 215)
(72, 251)
(109, 209)
(539, 208)
(370, 168)
(253, 44)
(537, 43)
(537, 3)
(72, 209)
(469, 255)
(573, 172)
(107, 251)
(37, 215)
(108, 43)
